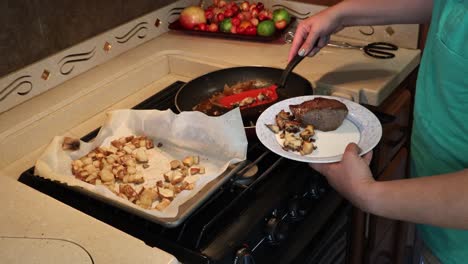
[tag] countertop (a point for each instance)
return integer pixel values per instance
(78, 106)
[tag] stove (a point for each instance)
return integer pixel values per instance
(272, 210)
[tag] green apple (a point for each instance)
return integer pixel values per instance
(281, 14)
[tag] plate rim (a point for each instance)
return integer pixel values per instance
(261, 126)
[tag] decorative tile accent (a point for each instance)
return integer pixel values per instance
(107, 47)
(157, 23)
(23, 84)
(28, 82)
(45, 75)
(139, 30)
(67, 62)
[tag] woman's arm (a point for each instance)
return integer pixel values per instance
(352, 13)
(381, 12)
(440, 200)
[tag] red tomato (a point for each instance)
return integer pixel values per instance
(203, 26)
(222, 3)
(251, 30)
(240, 30)
(245, 24)
(228, 13)
(209, 14)
(213, 27)
(244, 6)
(235, 21)
(247, 15)
(260, 6)
(254, 21)
(234, 29)
(220, 17)
(235, 9)
(254, 12)
(262, 15)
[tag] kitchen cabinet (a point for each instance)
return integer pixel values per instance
(376, 239)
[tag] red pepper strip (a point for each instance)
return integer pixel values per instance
(269, 95)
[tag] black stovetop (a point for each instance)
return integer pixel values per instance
(278, 216)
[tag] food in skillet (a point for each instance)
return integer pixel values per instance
(120, 168)
(297, 129)
(213, 107)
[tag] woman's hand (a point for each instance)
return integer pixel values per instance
(351, 177)
(319, 26)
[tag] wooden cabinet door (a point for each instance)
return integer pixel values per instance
(386, 237)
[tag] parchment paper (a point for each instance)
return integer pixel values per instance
(219, 141)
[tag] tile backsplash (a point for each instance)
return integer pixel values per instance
(35, 29)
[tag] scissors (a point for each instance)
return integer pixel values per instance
(379, 50)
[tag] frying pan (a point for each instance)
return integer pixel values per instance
(203, 87)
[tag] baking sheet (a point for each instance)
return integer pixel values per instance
(219, 141)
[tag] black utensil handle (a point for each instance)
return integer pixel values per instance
(383, 46)
(291, 65)
(378, 53)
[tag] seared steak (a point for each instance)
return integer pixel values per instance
(323, 113)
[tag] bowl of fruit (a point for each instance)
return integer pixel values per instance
(245, 20)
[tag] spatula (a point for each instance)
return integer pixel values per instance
(256, 97)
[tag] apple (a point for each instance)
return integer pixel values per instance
(281, 14)
(192, 16)
(280, 24)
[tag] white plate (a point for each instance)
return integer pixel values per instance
(360, 126)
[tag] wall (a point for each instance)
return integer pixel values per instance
(34, 29)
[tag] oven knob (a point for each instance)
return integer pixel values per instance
(244, 256)
(276, 230)
(297, 208)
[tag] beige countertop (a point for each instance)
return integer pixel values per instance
(78, 106)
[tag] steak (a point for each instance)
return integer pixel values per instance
(323, 113)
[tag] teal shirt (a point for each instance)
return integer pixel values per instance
(439, 142)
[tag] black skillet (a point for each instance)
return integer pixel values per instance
(203, 87)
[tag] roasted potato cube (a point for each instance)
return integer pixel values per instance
(128, 192)
(168, 176)
(147, 197)
(177, 177)
(166, 193)
(307, 147)
(141, 156)
(188, 161)
(163, 204)
(106, 175)
(175, 164)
